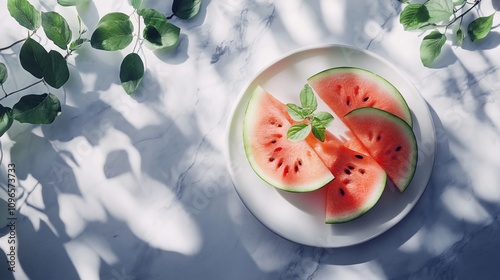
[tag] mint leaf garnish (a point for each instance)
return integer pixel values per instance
(298, 132)
(308, 100)
(323, 119)
(319, 133)
(295, 112)
(316, 123)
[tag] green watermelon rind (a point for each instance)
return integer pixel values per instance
(408, 132)
(395, 93)
(252, 107)
(367, 207)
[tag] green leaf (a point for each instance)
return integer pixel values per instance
(158, 33)
(68, 3)
(439, 10)
(186, 9)
(298, 132)
(460, 36)
(295, 112)
(56, 72)
(113, 32)
(6, 119)
(151, 15)
(33, 57)
(52, 66)
(161, 35)
(308, 100)
(480, 27)
(77, 43)
(430, 48)
(3, 73)
(136, 4)
(414, 16)
(24, 13)
(57, 29)
(37, 109)
(319, 133)
(322, 119)
(131, 72)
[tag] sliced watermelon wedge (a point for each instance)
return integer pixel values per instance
(359, 180)
(389, 140)
(283, 164)
(344, 89)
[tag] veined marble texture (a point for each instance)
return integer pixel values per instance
(137, 187)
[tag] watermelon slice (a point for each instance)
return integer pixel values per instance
(359, 180)
(344, 89)
(286, 165)
(389, 140)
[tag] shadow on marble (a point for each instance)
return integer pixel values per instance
(496, 4)
(475, 92)
(89, 14)
(489, 42)
(42, 232)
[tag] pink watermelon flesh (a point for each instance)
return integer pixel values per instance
(389, 140)
(359, 180)
(344, 89)
(286, 165)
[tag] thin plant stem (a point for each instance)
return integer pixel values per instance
(138, 32)
(464, 13)
(21, 89)
(13, 44)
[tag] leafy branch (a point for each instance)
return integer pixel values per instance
(436, 15)
(114, 32)
(309, 121)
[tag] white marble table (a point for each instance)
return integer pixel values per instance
(137, 187)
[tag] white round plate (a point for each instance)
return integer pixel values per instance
(300, 217)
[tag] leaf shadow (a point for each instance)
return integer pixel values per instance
(491, 41)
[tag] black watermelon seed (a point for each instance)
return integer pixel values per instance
(299, 161)
(273, 141)
(350, 167)
(379, 137)
(365, 99)
(347, 171)
(341, 192)
(271, 159)
(398, 148)
(362, 171)
(359, 156)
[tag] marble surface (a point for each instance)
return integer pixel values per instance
(122, 187)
